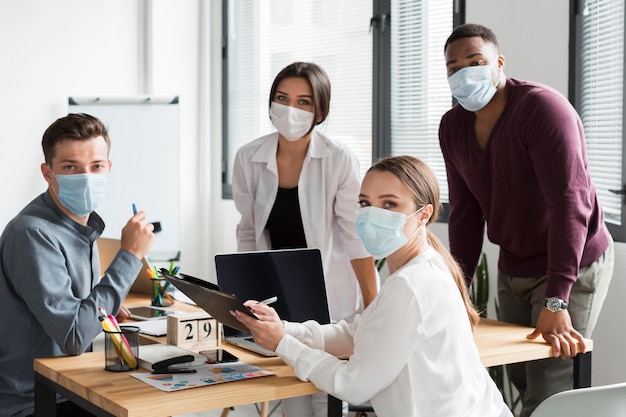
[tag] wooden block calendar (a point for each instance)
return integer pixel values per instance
(193, 331)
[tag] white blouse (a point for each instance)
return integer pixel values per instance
(328, 192)
(411, 352)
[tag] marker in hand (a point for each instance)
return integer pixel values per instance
(134, 209)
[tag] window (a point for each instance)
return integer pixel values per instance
(598, 93)
(264, 37)
(420, 94)
(385, 62)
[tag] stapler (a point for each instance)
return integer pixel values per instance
(165, 366)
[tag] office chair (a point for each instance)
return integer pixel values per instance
(605, 401)
(361, 410)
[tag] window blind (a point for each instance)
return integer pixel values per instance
(600, 95)
(264, 37)
(420, 94)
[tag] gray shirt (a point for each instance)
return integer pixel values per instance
(50, 291)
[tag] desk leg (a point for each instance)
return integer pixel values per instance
(582, 370)
(335, 406)
(45, 398)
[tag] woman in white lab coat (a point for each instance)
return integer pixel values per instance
(297, 188)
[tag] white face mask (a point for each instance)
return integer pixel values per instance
(82, 193)
(382, 231)
(290, 122)
(472, 87)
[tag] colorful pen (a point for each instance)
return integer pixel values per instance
(134, 209)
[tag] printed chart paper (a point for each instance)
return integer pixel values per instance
(205, 375)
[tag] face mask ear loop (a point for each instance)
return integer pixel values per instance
(418, 225)
(56, 192)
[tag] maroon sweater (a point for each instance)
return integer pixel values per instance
(531, 185)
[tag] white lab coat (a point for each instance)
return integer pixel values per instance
(328, 191)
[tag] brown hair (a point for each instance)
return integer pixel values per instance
(318, 80)
(422, 182)
(74, 126)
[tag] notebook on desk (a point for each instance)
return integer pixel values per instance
(108, 248)
(295, 276)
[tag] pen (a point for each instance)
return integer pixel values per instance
(134, 209)
(268, 301)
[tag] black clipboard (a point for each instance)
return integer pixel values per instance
(212, 300)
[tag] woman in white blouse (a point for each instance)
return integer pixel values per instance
(297, 188)
(411, 352)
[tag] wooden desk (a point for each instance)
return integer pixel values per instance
(84, 380)
(503, 343)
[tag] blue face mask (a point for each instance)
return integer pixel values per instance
(382, 230)
(82, 193)
(472, 87)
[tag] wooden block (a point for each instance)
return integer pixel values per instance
(207, 329)
(193, 331)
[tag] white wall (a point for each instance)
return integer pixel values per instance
(51, 50)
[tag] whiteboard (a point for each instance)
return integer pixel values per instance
(144, 133)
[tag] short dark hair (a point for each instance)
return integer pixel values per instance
(471, 30)
(317, 78)
(74, 126)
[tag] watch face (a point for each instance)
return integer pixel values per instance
(554, 304)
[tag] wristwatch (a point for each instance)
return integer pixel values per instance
(555, 304)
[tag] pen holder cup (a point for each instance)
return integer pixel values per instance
(121, 349)
(160, 295)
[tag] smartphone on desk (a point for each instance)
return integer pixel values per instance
(149, 313)
(219, 356)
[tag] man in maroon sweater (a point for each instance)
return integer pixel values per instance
(516, 161)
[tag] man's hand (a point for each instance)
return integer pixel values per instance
(268, 330)
(556, 329)
(137, 235)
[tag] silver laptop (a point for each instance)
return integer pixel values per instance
(245, 341)
(295, 276)
(108, 248)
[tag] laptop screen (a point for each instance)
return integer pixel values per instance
(295, 276)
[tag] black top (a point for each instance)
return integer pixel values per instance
(285, 221)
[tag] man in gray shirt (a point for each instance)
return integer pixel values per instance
(50, 288)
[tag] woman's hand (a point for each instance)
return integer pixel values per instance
(268, 330)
